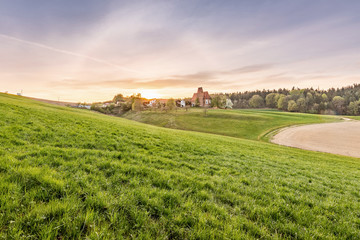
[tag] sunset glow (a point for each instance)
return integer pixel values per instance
(92, 50)
(149, 93)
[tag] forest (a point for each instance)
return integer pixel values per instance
(341, 101)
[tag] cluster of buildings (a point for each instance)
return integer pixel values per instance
(201, 98)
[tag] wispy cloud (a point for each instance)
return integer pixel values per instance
(62, 51)
(208, 78)
(214, 74)
(127, 83)
(249, 69)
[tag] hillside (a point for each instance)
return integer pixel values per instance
(68, 173)
(245, 123)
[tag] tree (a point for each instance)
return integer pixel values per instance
(339, 104)
(136, 106)
(282, 103)
(256, 101)
(218, 100)
(197, 102)
(295, 94)
(354, 108)
(324, 97)
(309, 100)
(158, 104)
(315, 108)
(292, 106)
(229, 103)
(94, 107)
(118, 98)
(126, 106)
(271, 100)
(171, 104)
(301, 103)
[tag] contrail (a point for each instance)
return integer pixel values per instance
(67, 52)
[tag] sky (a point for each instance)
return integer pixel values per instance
(90, 50)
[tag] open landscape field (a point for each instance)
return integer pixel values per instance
(245, 123)
(67, 173)
(338, 138)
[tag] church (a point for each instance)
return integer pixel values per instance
(203, 98)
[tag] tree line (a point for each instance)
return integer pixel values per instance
(342, 101)
(121, 104)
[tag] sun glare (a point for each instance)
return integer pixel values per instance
(149, 93)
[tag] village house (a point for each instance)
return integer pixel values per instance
(182, 103)
(106, 104)
(153, 102)
(86, 106)
(203, 98)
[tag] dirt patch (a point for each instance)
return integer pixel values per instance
(339, 138)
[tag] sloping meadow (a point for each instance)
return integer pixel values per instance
(251, 124)
(67, 173)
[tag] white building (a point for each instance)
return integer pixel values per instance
(152, 103)
(183, 103)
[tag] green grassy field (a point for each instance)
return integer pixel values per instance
(70, 174)
(354, 117)
(246, 123)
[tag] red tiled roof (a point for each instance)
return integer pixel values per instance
(206, 95)
(201, 95)
(194, 97)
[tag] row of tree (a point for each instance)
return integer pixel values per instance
(341, 101)
(120, 104)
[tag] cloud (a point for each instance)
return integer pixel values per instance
(206, 78)
(197, 76)
(131, 83)
(249, 69)
(39, 45)
(207, 75)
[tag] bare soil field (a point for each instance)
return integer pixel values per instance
(339, 138)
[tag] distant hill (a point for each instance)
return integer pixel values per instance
(60, 103)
